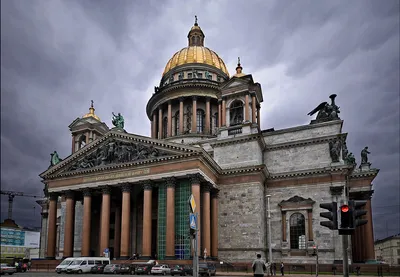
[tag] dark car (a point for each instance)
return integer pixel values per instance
(111, 269)
(182, 270)
(99, 268)
(126, 269)
(143, 269)
(207, 269)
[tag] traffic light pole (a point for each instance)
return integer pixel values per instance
(345, 240)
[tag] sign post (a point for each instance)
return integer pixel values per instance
(193, 227)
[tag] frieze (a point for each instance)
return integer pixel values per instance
(118, 175)
(117, 151)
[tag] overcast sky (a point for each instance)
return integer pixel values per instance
(56, 56)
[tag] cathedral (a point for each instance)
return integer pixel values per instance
(119, 193)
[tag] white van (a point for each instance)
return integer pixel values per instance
(85, 264)
(63, 265)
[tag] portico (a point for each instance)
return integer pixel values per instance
(139, 207)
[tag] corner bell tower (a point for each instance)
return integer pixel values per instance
(86, 129)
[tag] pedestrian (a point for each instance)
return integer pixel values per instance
(274, 269)
(29, 265)
(259, 266)
(282, 269)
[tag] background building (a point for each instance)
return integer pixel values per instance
(127, 193)
(387, 250)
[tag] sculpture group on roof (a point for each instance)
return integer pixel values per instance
(326, 112)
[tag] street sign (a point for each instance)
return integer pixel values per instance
(192, 203)
(193, 221)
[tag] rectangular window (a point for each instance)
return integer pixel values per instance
(190, 75)
(91, 262)
(162, 226)
(209, 77)
(200, 75)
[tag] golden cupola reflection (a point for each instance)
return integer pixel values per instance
(91, 112)
(239, 69)
(195, 52)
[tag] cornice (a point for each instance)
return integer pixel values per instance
(244, 170)
(357, 174)
(235, 140)
(341, 169)
(302, 127)
(305, 142)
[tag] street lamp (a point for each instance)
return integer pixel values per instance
(269, 230)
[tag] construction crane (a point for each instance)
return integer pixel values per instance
(11, 195)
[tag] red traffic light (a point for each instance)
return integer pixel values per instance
(344, 208)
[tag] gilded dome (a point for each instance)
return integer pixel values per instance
(196, 53)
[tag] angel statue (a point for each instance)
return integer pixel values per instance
(326, 112)
(118, 121)
(55, 159)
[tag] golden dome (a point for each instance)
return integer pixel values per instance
(196, 52)
(91, 113)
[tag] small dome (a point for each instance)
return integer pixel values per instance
(91, 113)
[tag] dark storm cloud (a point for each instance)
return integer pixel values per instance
(58, 55)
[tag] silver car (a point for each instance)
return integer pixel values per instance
(161, 269)
(4, 268)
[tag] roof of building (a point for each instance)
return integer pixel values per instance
(387, 238)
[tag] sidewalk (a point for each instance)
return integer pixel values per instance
(220, 273)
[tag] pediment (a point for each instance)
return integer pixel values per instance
(235, 82)
(116, 149)
(296, 202)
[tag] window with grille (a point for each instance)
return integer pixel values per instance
(162, 225)
(236, 113)
(182, 210)
(297, 231)
(177, 123)
(200, 121)
(165, 126)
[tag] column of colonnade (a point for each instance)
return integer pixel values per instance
(157, 129)
(208, 228)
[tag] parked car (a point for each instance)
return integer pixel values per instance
(182, 270)
(5, 268)
(111, 268)
(162, 269)
(143, 269)
(98, 269)
(62, 267)
(207, 269)
(126, 268)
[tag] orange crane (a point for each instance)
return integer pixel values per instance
(11, 195)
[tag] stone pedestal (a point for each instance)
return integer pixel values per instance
(365, 167)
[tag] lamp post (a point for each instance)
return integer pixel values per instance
(269, 230)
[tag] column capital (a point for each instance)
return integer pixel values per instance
(208, 98)
(106, 190)
(87, 192)
(53, 196)
(147, 186)
(170, 182)
(126, 187)
(181, 99)
(206, 187)
(215, 194)
(195, 179)
(45, 215)
(252, 93)
(69, 194)
(194, 98)
(219, 101)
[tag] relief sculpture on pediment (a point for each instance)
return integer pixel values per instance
(115, 151)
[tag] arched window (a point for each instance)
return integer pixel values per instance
(164, 127)
(82, 142)
(297, 231)
(177, 123)
(193, 40)
(200, 121)
(236, 113)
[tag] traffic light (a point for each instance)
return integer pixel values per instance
(346, 219)
(331, 215)
(358, 212)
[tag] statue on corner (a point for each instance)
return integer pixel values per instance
(118, 121)
(326, 112)
(55, 159)
(364, 155)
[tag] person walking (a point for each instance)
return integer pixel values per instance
(282, 269)
(259, 266)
